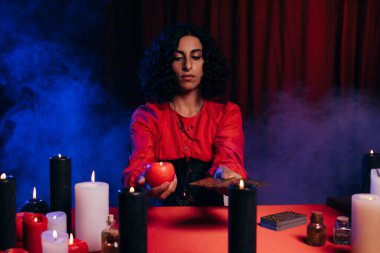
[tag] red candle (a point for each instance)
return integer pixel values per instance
(14, 250)
(77, 246)
(19, 225)
(34, 224)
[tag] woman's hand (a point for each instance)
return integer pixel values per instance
(162, 191)
(223, 172)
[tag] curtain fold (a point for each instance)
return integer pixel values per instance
(316, 46)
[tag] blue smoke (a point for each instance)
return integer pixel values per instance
(309, 151)
(49, 76)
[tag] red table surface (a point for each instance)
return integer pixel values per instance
(205, 229)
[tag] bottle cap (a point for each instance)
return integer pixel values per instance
(344, 219)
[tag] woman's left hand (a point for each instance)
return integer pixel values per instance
(223, 172)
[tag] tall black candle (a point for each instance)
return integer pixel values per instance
(8, 236)
(242, 213)
(132, 220)
(369, 161)
(60, 186)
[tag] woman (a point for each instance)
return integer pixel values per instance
(180, 73)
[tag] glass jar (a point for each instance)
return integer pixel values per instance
(110, 237)
(342, 231)
(316, 230)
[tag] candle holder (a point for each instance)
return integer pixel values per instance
(242, 215)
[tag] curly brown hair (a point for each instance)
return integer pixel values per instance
(158, 81)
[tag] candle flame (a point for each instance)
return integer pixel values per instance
(131, 189)
(59, 156)
(55, 234)
(54, 217)
(35, 219)
(241, 184)
(3, 176)
(71, 240)
(93, 176)
(34, 193)
(161, 163)
(371, 151)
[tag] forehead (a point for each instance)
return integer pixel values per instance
(188, 43)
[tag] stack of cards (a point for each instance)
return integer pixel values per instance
(282, 221)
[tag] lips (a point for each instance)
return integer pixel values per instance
(187, 77)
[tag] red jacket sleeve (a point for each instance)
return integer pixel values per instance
(143, 139)
(229, 142)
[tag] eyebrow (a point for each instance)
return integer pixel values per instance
(192, 51)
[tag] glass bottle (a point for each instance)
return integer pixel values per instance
(342, 231)
(110, 237)
(316, 230)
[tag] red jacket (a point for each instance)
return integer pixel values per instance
(159, 133)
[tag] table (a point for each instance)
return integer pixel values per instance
(205, 229)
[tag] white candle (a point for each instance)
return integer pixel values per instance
(375, 181)
(57, 221)
(54, 242)
(91, 211)
(365, 221)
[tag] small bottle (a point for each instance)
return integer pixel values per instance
(316, 230)
(342, 231)
(110, 237)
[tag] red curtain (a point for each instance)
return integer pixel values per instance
(313, 47)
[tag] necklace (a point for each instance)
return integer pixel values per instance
(187, 127)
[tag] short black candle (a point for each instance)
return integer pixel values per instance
(242, 213)
(35, 205)
(369, 161)
(8, 236)
(133, 221)
(60, 186)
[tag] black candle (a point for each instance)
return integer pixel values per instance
(60, 186)
(8, 236)
(242, 213)
(369, 161)
(35, 205)
(133, 220)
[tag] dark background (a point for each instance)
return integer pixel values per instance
(304, 72)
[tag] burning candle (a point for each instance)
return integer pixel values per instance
(60, 186)
(369, 161)
(7, 212)
(91, 211)
(34, 225)
(242, 212)
(77, 246)
(57, 221)
(133, 220)
(365, 223)
(54, 242)
(35, 205)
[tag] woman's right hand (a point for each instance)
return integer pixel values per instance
(162, 191)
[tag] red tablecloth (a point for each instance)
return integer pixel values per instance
(205, 229)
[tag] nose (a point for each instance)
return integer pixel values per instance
(187, 65)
